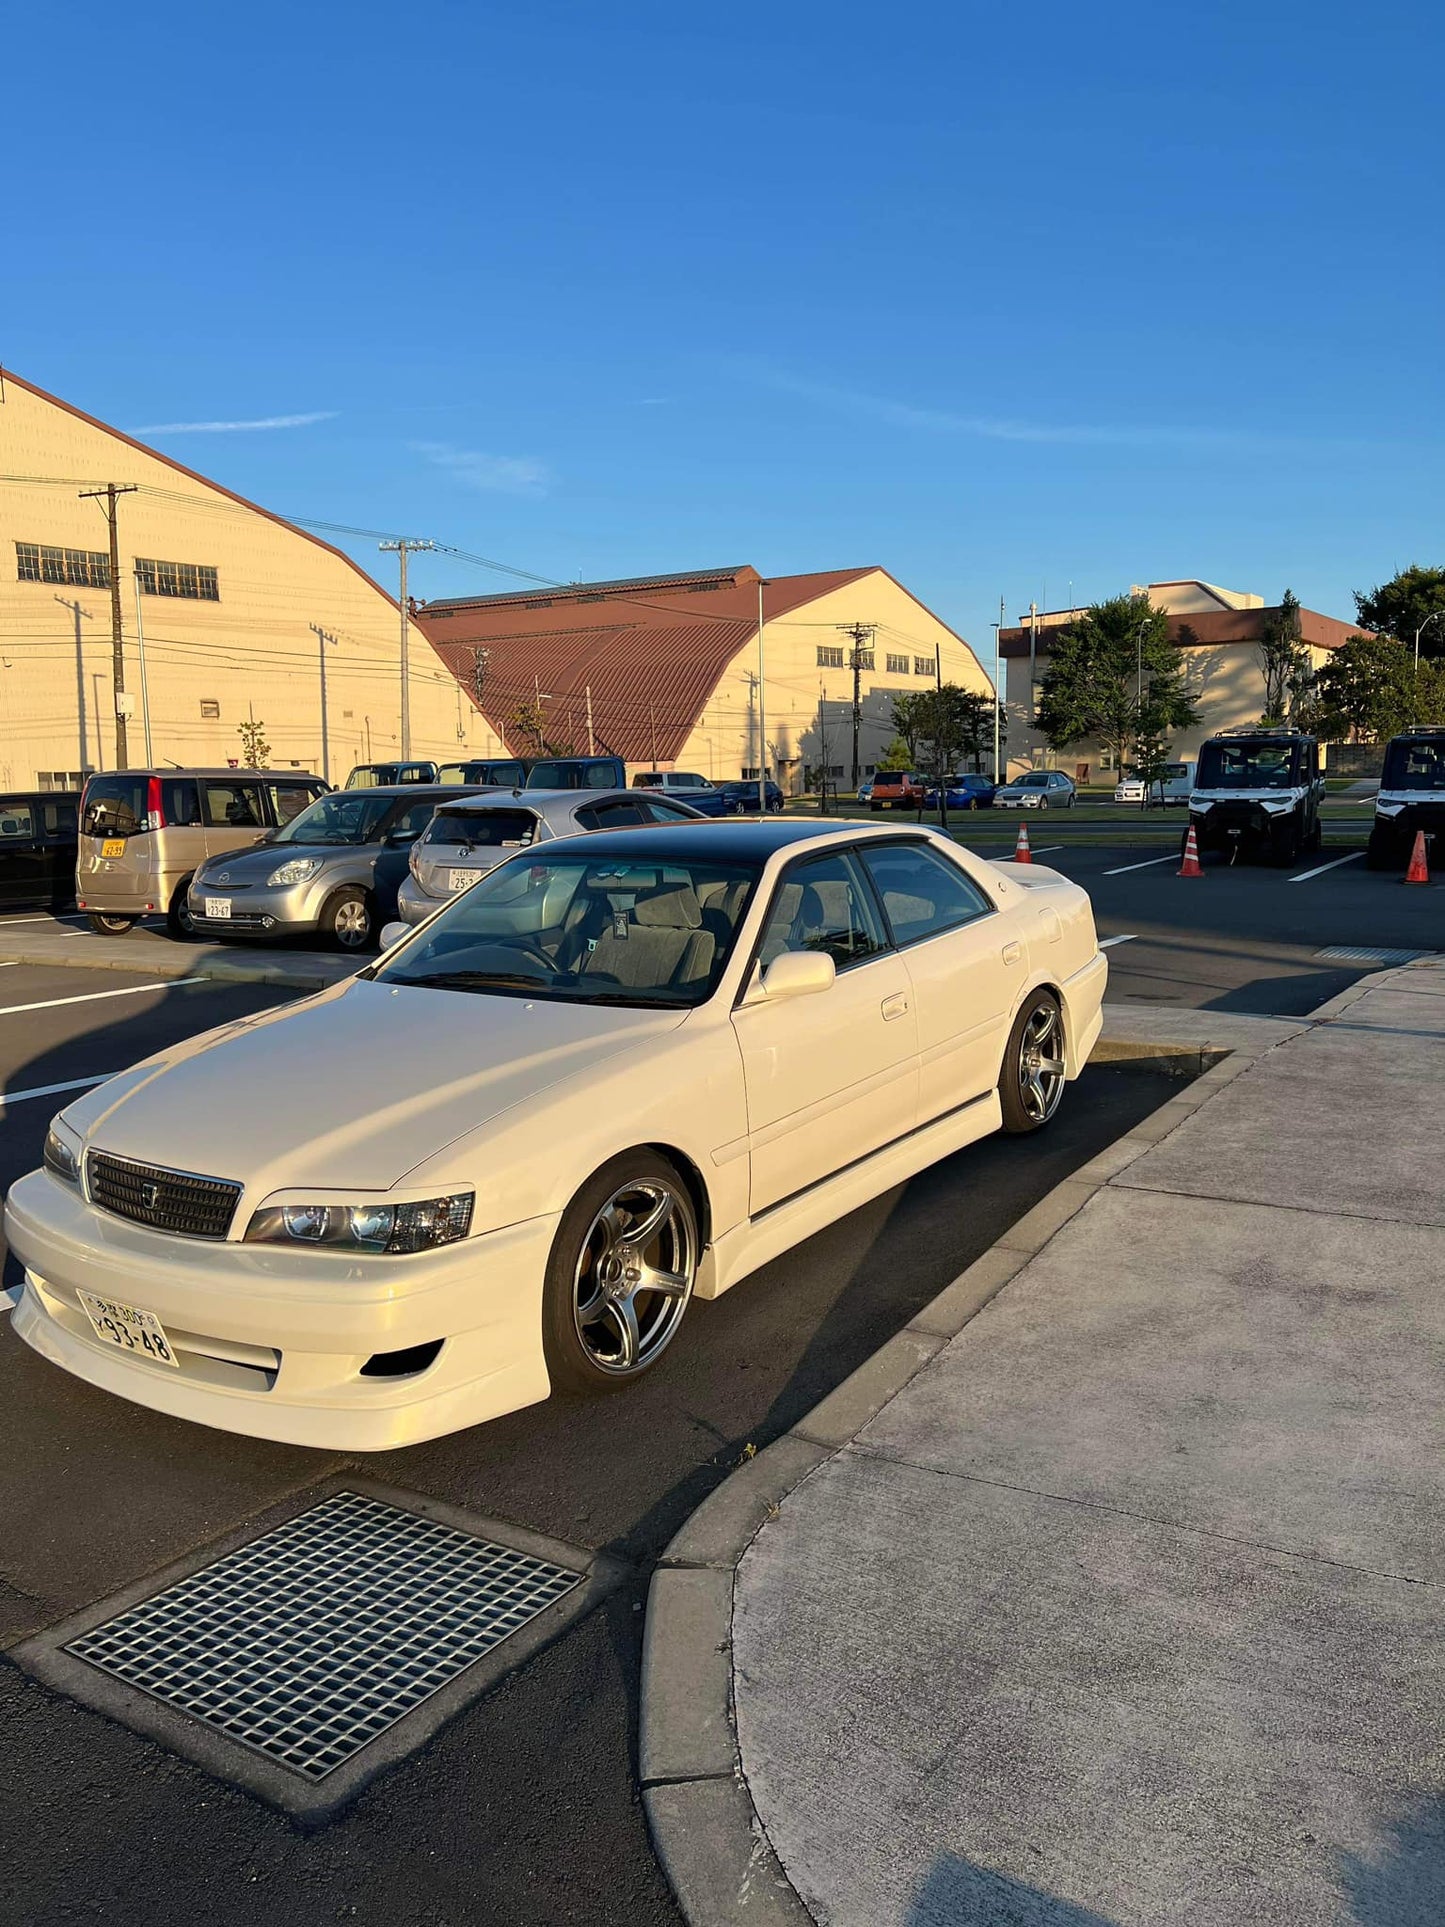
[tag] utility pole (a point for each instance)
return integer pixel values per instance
(322, 638)
(998, 693)
(402, 549)
(117, 643)
(943, 774)
(762, 713)
(859, 631)
(591, 741)
(145, 700)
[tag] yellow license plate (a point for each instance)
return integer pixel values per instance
(113, 846)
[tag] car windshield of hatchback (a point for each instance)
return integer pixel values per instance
(1414, 766)
(1245, 766)
(652, 933)
(341, 817)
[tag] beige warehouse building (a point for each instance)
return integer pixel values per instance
(667, 671)
(242, 616)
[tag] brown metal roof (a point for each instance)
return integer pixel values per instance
(1208, 629)
(651, 648)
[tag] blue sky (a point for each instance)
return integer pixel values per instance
(1004, 299)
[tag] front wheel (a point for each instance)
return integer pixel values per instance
(179, 921)
(1031, 1084)
(105, 926)
(348, 919)
(1380, 852)
(620, 1275)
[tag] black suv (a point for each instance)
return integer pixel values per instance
(1257, 792)
(539, 772)
(1411, 797)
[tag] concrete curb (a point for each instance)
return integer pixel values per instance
(706, 1831)
(232, 967)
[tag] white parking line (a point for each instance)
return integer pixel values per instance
(1048, 849)
(8, 1098)
(1107, 943)
(6, 922)
(1148, 863)
(1305, 875)
(95, 996)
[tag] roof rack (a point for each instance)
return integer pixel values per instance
(1423, 729)
(1264, 729)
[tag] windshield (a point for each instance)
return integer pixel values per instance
(1408, 766)
(482, 829)
(1037, 781)
(647, 933)
(341, 817)
(1247, 766)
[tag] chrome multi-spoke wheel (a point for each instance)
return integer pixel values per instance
(634, 1276)
(350, 919)
(621, 1273)
(1031, 1086)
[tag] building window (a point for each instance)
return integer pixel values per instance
(78, 568)
(862, 659)
(830, 657)
(210, 710)
(191, 580)
(835, 769)
(923, 665)
(898, 665)
(61, 779)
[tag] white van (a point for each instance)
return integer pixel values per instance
(1173, 787)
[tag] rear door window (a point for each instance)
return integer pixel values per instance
(17, 820)
(614, 816)
(114, 805)
(922, 894)
(58, 819)
(233, 806)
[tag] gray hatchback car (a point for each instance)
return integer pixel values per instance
(467, 838)
(332, 872)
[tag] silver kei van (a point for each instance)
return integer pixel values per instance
(143, 833)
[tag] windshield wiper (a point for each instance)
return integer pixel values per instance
(474, 980)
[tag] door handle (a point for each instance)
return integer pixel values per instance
(894, 1006)
(1012, 952)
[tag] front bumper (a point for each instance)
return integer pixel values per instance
(259, 910)
(271, 1341)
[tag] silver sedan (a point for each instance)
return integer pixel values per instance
(468, 837)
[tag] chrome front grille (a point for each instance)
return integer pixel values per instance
(175, 1201)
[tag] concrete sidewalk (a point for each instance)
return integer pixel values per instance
(1113, 1589)
(150, 952)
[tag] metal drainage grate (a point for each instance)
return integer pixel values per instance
(312, 1640)
(1353, 954)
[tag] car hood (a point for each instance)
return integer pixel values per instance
(255, 863)
(353, 1089)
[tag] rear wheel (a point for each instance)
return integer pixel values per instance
(106, 926)
(348, 919)
(620, 1275)
(1380, 852)
(179, 921)
(1031, 1084)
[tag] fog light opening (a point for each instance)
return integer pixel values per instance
(268, 923)
(403, 1364)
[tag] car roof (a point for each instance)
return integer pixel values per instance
(441, 791)
(265, 775)
(511, 798)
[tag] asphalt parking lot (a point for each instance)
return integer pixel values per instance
(524, 1809)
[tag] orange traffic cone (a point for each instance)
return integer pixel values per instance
(1191, 866)
(1021, 848)
(1419, 870)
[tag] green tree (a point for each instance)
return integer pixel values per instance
(525, 723)
(898, 755)
(255, 750)
(1404, 604)
(1114, 674)
(1283, 659)
(908, 721)
(1366, 690)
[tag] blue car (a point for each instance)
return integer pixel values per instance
(966, 791)
(742, 797)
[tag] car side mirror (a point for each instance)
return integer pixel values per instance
(392, 933)
(398, 839)
(797, 973)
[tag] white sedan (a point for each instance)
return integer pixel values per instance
(620, 1070)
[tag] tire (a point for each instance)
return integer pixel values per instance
(349, 920)
(1315, 841)
(179, 922)
(1284, 848)
(875, 806)
(598, 1334)
(1031, 1084)
(107, 926)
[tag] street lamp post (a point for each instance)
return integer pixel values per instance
(1435, 617)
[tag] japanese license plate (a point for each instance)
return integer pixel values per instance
(128, 1328)
(461, 879)
(113, 846)
(218, 907)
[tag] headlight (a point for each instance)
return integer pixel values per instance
(365, 1227)
(1277, 803)
(63, 1162)
(295, 870)
(1388, 809)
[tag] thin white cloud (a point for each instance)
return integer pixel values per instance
(235, 428)
(1004, 429)
(496, 474)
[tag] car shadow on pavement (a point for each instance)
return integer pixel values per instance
(957, 1893)
(1407, 1881)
